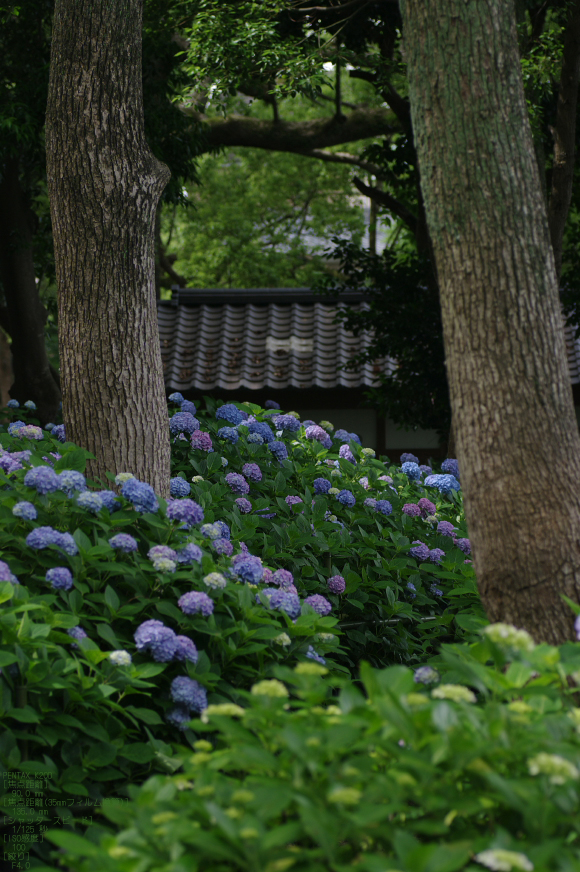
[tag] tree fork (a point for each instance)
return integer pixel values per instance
(517, 438)
(104, 186)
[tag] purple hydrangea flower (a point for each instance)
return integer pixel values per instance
(237, 483)
(279, 450)
(70, 481)
(158, 551)
(6, 574)
(436, 555)
(60, 578)
(58, 432)
(255, 439)
(346, 498)
(164, 645)
(261, 429)
(9, 463)
(201, 441)
(319, 603)
(283, 578)
(451, 466)
(426, 675)
(412, 590)
(426, 470)
(314, 655)
(384, 507)
(187, 511)
(110, 500)
(43, 478)
(188, 406)
(321, 485)
(464, 545)
(286, 422)
(225, 532)
(267, 592)
(13, 404)
(25, 510)
(286, 602)
(271, 404)
(445, 528)
(189, 553)
(42, 537)
(188, 692)
(89, 501)
(345, 452)
(68, 544)
(223, 546)
(411, 470)
(186, 649)
(77, 633)
(141, 495)
(409, 458)
(183, 422)
(421, 552)
(123, 542)
(252, 471)
(196, 602)
(229, 412)
(427, 507)
(435, 591)
(179, 717)
(243, 505)
(229, 433)
(336, 584)
(292, 500)
(412, 510)
(249, 569)
(179, 487)
(314, 431)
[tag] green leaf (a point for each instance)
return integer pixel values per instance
(72, 842)
(100, 754)
(77, 789)
(7, 657)
(82, 540)
(26, 715)
(146, 715)
(111, 598)
(6, 591)
(139, 752)
(107, 633)
(75, 459)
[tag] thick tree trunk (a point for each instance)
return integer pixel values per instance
(24, 316)
(517, 439)
(104, 186)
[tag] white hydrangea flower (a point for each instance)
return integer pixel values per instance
(283, 639)
(326, 425)
(271, 687)
(164, 564)
(215, 580)
(500, 860)
(574, 714)
(345, 795)
(326, 637)
(294, 414)
(224, 461)
(369, 452)
(122, 477)
(508, 637)
(558, 768)
(310, 668)
(120, 658)
(455, 692)
(197, 478)
(229, 709)
(335, 472)
(334, 490)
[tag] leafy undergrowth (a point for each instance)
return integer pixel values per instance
(283, 544)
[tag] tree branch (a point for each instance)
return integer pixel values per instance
(399, 105)
(564, 133)
(345, 158)
(382, 198)
(240, 130)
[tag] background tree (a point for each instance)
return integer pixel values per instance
(517, 437)
(105, 184)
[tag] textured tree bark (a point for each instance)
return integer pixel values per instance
(517, 439)
(104, 185)
(24, 316)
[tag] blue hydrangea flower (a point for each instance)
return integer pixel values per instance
(68, 544)
(287, 602)
(426, 470)
(314, 655)
(183, 422)
(15, 427)
(49, 426)
(412, 590)
(279, 450)
(176, 398)
(435, 591)
(346, 498)
(252, 471)
(188, 692)
(186, 649)
(158, 638)
(70, 480)
(189, 553)
(237, 483)
(255, 438)
(243, 505)
(42, 537)
(91, 502)
(230, 434)
(179, 717)
(123, 542)
(43, 478)
(141, 495)
(158, 551)
(284, 579)
(60, 578)
(451, 466)
(249, 569)
(222, 546)
(444, 483)
(13, 404)
(384, 507)
(436, 555)
(196, 602)
(110, 500)
(225, 532)
(426, 675)
(319, 603)
(179, 487)
(262, 429)
(409, 458)
(411, 470)
(58, 432)
(420, 551)
(77, 633)
(6, 573)
(187, 511)
(271, 404)
(25, 510)
(286, 422)
(188, 406)
(211, 531)
(229, 412)
(321, 485)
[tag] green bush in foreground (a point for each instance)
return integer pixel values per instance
(477, 767)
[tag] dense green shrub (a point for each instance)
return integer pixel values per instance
(476, 768)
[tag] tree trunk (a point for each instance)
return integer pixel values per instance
(104, 186)
(24, 316)
(517, 439)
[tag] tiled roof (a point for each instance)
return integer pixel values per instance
(573, 349)
(279, 338)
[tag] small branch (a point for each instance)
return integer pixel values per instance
(388, 202)
(345, 158)
(342, 102)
